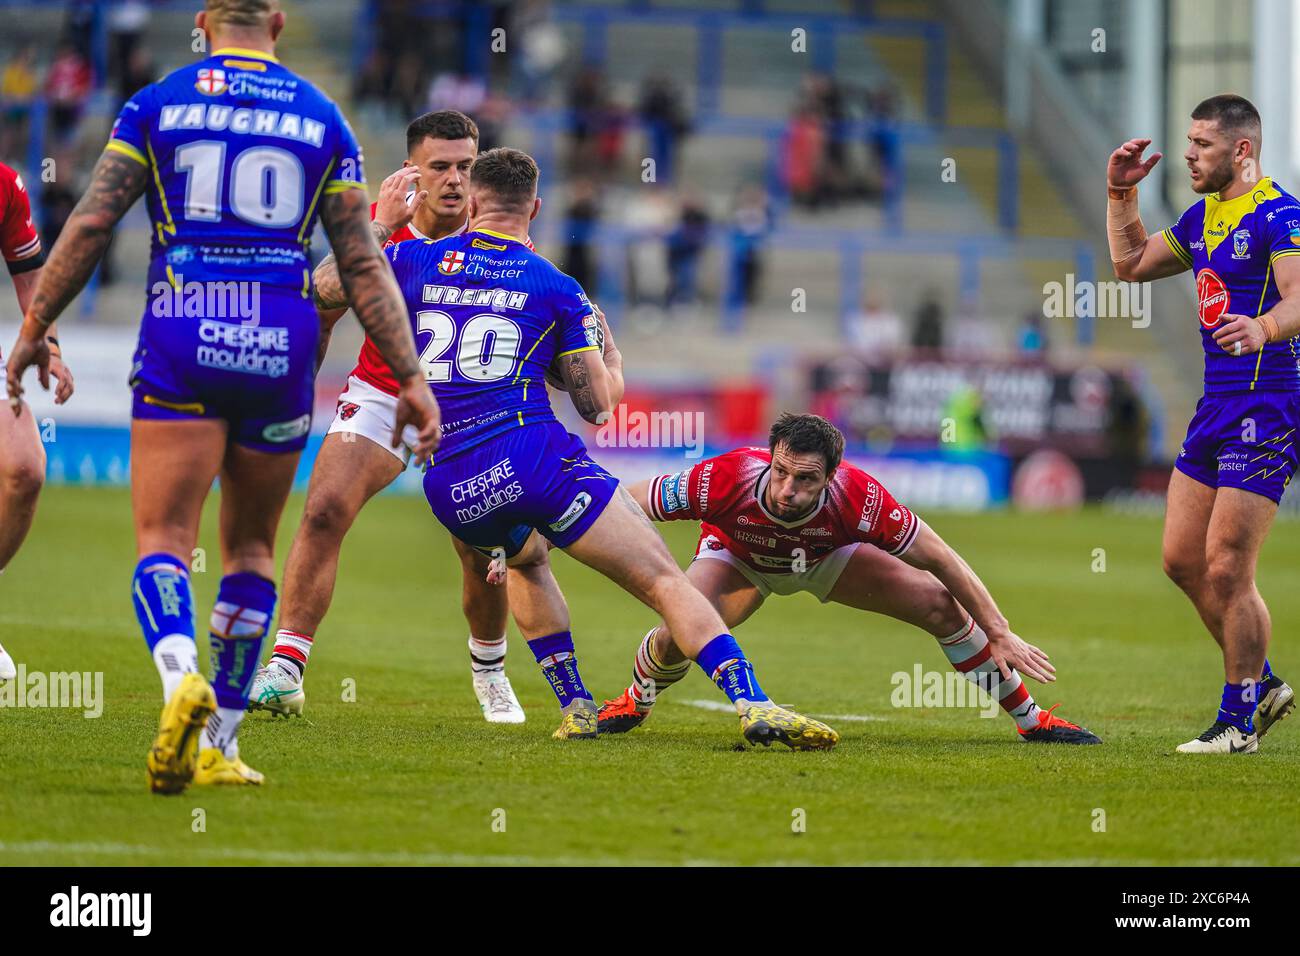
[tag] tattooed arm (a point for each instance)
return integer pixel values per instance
(330, 296)
(356, 274)
(116, 183)
(591, 385)
(392, 212)
(368, 284)
(330, 299)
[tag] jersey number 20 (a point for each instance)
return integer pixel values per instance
(489, 344)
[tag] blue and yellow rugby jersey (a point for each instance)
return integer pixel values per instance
(1231, 247)
(241, 151)
(489, 316)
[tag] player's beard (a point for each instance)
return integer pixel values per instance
(1216, 180)
(785, 514)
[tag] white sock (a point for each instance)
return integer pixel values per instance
(486, 657)
(221, 729)
(175, 656)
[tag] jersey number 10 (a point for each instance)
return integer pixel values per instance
(266, 184)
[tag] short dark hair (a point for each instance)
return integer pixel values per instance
(509, 174)
(240, 13)
(808, 434)
(1235, 115)
(441, 124)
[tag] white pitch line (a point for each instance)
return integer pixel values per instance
(344, 858)
(730, 709)
(326, 857)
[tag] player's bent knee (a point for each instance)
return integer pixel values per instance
(22, 480)
(329, 513)
(1226, 574)
(942, 614)
(1186, 574)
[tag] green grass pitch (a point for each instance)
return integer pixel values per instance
(410, 773)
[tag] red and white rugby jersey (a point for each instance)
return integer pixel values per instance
(371, 367)
(725, 494)
(19, 243)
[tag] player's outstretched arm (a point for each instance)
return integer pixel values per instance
(593, 387)
(640, 493)
(368, 284)
(1136, 256)
(116, 183)
(929, 552)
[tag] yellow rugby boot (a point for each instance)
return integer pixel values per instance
(580, 721)
(172, 757)
(764, 722)
(216, 769)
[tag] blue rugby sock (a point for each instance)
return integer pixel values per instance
(240, 620)
(164, 605)
(555, 656)
(1238, 706)
(725, 663)
(1268, 672)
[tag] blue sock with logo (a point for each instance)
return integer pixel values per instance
(164, 606)
(1268, 672)
(240, 619)
(555, 656)
(725, 663)
(1238, 706)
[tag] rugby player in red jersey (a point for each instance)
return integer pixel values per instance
(795, 517)
(425, 199)
(22, 457)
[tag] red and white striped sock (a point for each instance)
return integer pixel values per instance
(650, 676)
(291, 651)
(969, 653)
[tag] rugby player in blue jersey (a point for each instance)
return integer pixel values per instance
(238, 157)
(491, 316)
(1242, 243)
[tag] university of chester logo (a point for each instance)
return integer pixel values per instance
(452, 262)
(211, 82)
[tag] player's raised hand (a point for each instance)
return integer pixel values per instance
(416, 407)
(392, 209)
(1240, 334)
(1008, 650)
(1127, 167)
(30, 349)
